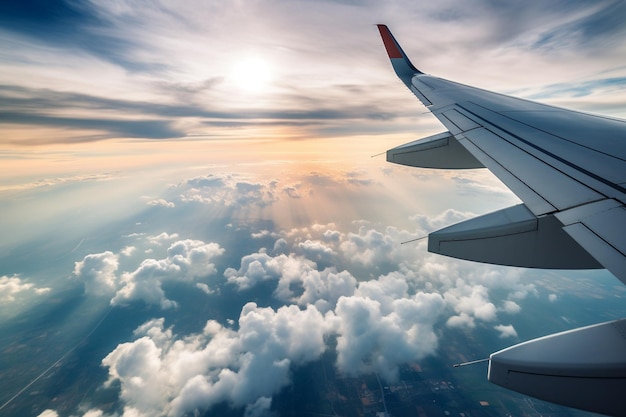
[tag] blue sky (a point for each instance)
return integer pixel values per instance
(225, 147)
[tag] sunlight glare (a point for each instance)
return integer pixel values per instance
(252, 74)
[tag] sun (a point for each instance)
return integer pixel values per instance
(252, 74)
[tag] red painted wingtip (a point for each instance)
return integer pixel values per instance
(390, 45)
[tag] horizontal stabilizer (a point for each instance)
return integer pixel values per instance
(437, 151)
(515, 237)
(583, 368)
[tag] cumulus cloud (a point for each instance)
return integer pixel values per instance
(461, 320)
(377, 337)
(298, 279)
(506, 331)
(553, 297)
(161, 238)
(48, 413)
(228, 191)
(11, 287)
(472, 301)
(186, 261)
(299, 269)
(260, 408)
(161, 202)
(260, 267)
(368, 246)
(163, 372)
(98, 272)
(446, 218)
(179, 374)
(263, 233)
(511, 307)
(378, 323)
(128, 250)
(94, 413)
(204, 287)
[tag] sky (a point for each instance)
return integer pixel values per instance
(228, 148)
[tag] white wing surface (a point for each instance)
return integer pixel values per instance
(569, 169)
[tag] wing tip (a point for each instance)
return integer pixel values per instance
(395, 53)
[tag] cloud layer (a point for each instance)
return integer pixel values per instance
(378, 323)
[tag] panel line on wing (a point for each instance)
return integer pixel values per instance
(534, 201)
(610, 167)
(552, 155)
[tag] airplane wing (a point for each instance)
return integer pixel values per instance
(569, 170)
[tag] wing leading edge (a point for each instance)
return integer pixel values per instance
(569, 170)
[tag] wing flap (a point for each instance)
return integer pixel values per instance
(515, 237)
(583, 368)
(437, 151)
(597, 228)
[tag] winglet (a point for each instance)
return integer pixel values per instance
(401, 63)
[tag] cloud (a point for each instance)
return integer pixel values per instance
(506, 331)
(228, 191)
(94, 413)
(260, 408)
(181, 90)
(14, 286)
(378, 337)
(299, 269)
(368, 246)
(598, 23)
(380, 319)
(98, 272)
(128, 250)
(263, 234)
(209, 181)
(99, 128)
(48, 413)
(260, 267)
(553, 297)
(444, 219)
(461, 320)
(49, 182)
(161, 202)
(471, 300)
(186, 261)
(163, 373)
(511, 307)
(161, 238)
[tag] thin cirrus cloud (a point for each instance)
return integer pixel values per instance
(177, 63)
